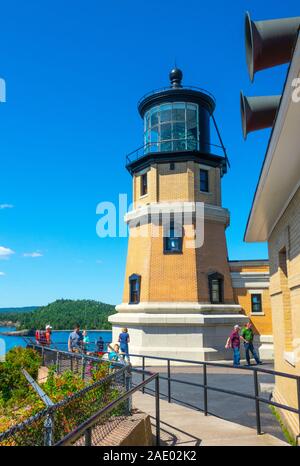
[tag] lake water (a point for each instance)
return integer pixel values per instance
(59, 339)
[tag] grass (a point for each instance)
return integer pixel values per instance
(288, 436)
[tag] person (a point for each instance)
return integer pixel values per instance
(48, 334)
(100, 346)
(234, 342)
(113, 354)
(247, 335)
(85, 340)
(41, 337)
(75, 340)
(124, 339)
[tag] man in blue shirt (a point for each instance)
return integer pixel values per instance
(75, 340)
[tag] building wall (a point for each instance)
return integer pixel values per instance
(285, 301)
(177, 277)
(254, 278)
(180, 184)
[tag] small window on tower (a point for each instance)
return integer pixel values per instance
(216, 284)
(173, 239)
(144, 184)
(204, 180)
(256, 303)
(134, 289)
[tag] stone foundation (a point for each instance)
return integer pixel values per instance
(191, 331)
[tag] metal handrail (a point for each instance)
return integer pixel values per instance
(169, 88)
(206, 387)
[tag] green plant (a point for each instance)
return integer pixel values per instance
(13, 384)
(288, 436)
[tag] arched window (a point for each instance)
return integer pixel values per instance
(134, 288)
(215, 284)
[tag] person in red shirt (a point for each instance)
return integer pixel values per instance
(234, 342)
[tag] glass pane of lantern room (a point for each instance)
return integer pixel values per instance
(165, 113)
(147, 140)
(178, 112)
(179, 142)
(165, 137)
(154, 116)
(154, 138)
(192, 127)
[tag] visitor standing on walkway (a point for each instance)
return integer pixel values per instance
(247, 335)
(75, 340)
(234, 342)
(124, 340)
(100, 346)
(85, 341)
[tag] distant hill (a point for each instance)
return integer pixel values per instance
(64, 314)
(18, 309)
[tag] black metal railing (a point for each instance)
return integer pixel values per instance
(175, 145)
(63, 345)
(206, 387)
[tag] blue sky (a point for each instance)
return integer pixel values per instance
(74, 72)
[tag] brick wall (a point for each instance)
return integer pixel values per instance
(285, 301)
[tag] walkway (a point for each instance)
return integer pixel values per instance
(182, 426)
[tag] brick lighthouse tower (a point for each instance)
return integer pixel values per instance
(178, 297)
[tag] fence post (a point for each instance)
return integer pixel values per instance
(43, 356)
(257, 406)
(57, 362)
(48, 435)
(169, 381)
(88, 437)
(83, 363)
(157, 410)
(143, 376)
(205, 389)
(128, 386)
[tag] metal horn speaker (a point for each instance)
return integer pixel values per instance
(258, 112)
(269, 43)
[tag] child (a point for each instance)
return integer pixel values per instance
(114, 355)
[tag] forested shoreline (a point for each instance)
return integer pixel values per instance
(62, 314)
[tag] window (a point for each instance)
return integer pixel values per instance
(215, 282)
(173, 239)
(172, 166)
(134, 289)
(144, 184)
(256, 303)
(171, 127)
(204, 181)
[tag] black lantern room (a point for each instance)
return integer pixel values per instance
(177, 122)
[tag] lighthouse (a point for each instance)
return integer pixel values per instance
(178, 298)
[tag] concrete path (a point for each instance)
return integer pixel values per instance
(182, 426)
